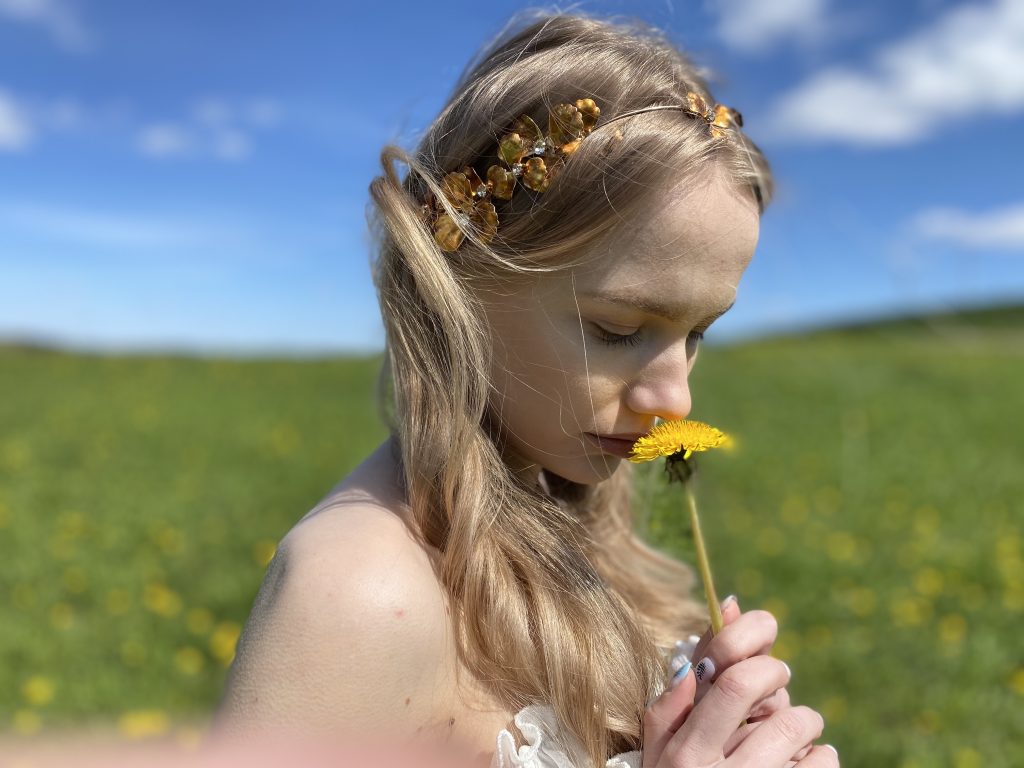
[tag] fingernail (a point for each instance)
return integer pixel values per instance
(729, 599)
(679, 675)
(678, 661)
(789, 672)
(836, 751)
(705, 669)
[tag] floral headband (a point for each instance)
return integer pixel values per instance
(533, 160)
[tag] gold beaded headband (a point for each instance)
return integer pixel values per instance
(533, 159)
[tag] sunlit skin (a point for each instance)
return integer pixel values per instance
(606, 348)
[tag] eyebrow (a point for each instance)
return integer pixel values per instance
(649, 305)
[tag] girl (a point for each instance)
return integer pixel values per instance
(572, 222)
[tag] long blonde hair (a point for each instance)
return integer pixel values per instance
(555, 599)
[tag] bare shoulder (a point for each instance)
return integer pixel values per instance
(349, 629)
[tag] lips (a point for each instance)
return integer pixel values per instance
(616, 445)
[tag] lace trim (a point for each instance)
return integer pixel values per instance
(537, 723)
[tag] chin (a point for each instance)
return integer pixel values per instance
(584, 472)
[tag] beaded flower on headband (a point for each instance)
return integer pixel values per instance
(532, 159)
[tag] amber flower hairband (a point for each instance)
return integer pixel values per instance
(533, 159)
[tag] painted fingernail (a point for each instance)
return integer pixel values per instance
(679, 675)
(705, 669)
(678, 661)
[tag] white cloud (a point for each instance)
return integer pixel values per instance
(967, 64)
(232, 145)
(215, 127)
(164, 140)
(15, 128)
(56, 16)
(998, 229)
(756, 25)
(213, 112)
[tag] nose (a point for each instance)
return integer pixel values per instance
(662, 387)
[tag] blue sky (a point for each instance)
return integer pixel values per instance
(194, 175)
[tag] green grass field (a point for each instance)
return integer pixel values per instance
(873, 505)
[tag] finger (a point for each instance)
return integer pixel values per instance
(761, 711)
(780, 737)
(821, 756)
(666, 714)
(702, 738)
(730, 612)
(764, 708)
(751, 634)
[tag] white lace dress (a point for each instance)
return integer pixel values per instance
(549, 746)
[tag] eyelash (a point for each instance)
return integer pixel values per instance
(632, 339)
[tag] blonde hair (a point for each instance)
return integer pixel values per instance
(555, 599)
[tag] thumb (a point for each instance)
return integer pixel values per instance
(666, 714)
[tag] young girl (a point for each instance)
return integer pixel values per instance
(572, 222)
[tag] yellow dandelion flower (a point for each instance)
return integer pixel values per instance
(223, 641)
(189, 660)
(1017, 682)
(263, 552)
(143, 724)
(38, 690)
(669, 439)
(161, 599)
(26, 722)
(672, 437)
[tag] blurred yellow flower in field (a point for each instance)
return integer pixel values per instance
(952, 629)
(26, 722)
(62, 616)
(143, 724)
(967, 757)
(223, 641)
(929, 582)
(284, 440)
(909, 611)
(72, 524)
(199, 621)
(161, 600)
(794, 510)
(15, 454)
(1017, 681)
(38, 690)
(842, 547)
(189, 660)
(263, 552)
(862, 601)
(169, 539)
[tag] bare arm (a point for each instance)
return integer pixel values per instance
(345, 636)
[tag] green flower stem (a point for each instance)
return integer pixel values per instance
(714, 608)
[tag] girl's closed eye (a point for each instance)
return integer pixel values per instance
(616, 339)
(632, 339)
